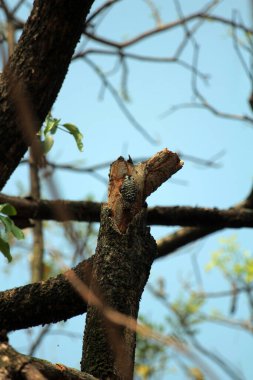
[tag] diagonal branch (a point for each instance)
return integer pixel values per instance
(43, 302)
(29, 90)
(180, 238)
(202, 14)
(22, 367)
(31, 305)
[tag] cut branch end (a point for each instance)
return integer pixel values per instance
(130, 185)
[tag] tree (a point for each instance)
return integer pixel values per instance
(30, 83)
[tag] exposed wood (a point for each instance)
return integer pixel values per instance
(121, 265)
(147, 175)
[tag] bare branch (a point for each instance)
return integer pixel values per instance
(120, 103)
(162, 28)
(207, 105)
(187, 235)
(44, 302)
(225, 293)
(17, 6)
(87, 211)
(139, 57)
(228, 368)
(38, 340)
(169, 244)
(238, 52)
(203, 101)
(18, 366)
(100, 9)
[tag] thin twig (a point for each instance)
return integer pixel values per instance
(100, 9)
(238, 52)
(168, 26)
(139, 57)
(44, 331)
(120, 103)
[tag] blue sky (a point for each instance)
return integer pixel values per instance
(153, 89)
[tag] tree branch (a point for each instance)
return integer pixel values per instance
(121, 265)
(83, 211)
(34, 74)
(162, 28)
(31, 305)
(14, 365)
(188, 235)
(43, 302)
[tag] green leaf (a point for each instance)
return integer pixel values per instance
(7, 209)
(6, 222)
(47, 143)
(51, 125)
(76, 134)
(17, 232)
(5, 249)
(10, 227)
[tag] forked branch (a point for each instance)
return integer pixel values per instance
(121, 265)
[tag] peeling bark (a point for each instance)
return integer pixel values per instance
(121, 265)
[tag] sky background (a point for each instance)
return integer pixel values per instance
(153, 89)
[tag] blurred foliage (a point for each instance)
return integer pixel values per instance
(151, 357)
(235, 264)
(186, 313)
(8, 229)
(190, 308)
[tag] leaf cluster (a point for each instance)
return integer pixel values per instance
(8, 227)
(51, 126)
(235, 264)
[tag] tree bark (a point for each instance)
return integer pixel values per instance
(34, 74)
(121, 265)
(31, 305)
(43, 302)
(37, 259)
(82, 211)
(14, 365)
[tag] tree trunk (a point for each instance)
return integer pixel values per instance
(34, 74)
(122, 264)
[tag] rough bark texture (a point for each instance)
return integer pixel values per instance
(234, 217)
(52, 210)
(43, 302)
(18, 310)
(180, 238)
(187, 235)
(14, 365)
(34, 74)
(122, 263)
